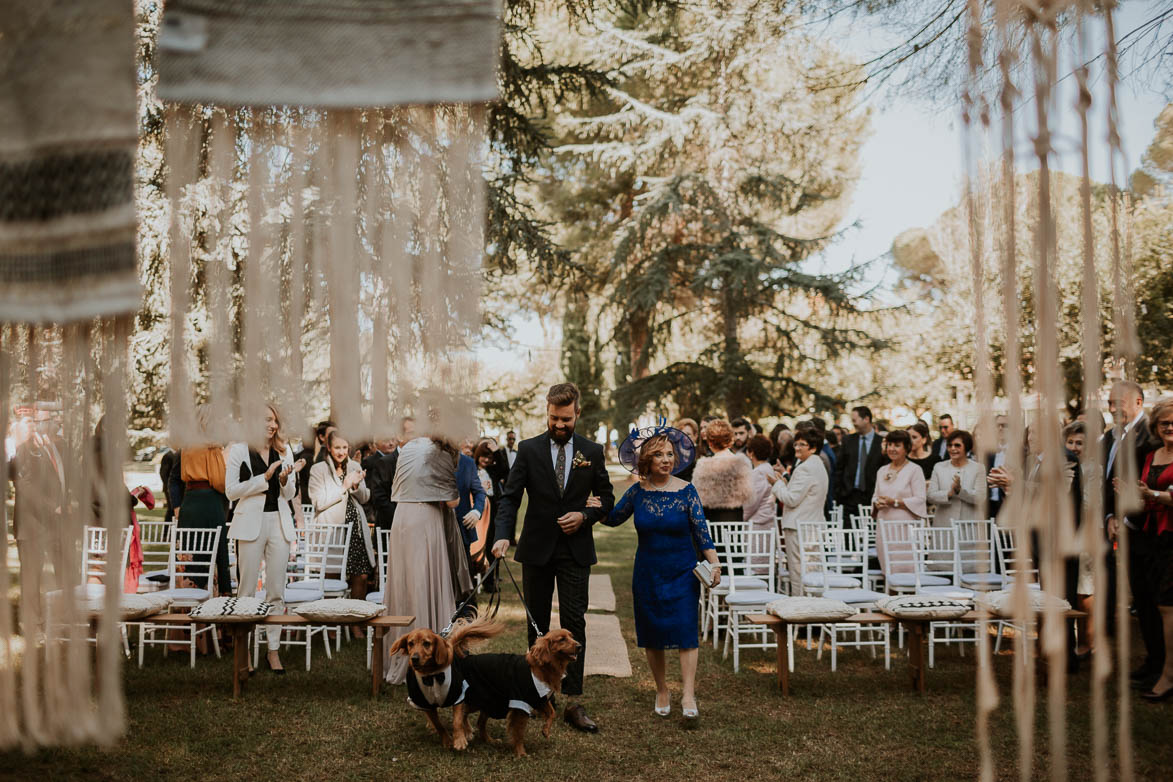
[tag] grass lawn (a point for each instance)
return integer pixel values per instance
(859, 723)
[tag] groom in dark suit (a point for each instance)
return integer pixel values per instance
(559, 470)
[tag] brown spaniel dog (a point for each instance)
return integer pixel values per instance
(515, 688)
(433, 680)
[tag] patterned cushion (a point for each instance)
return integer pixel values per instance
(1001, 602)
(810, 609)
(231, 609)
(922, 607)
(337, 609)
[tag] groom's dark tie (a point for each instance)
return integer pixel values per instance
(560, 468)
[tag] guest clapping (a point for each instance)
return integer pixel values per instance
(338, 489)
(262, 483)
(1156, 488)
(900, 490)
(958, 486)
(802, 496)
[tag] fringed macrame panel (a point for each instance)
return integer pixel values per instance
(63, 399)
(1032, 60)
(325, 245)
(68, 283)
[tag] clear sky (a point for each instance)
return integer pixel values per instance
(912, 163)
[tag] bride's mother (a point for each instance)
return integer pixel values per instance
(672, 530)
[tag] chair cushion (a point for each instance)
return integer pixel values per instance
(295, 593)
(854, 596)
(810, 609)
(950, 592)
(1001, 602)
(748, 583)
(835, 581)
(231, 609)
(759, 598)
(186, 594)
(139, 606)
(375, 597)
(922, 607)
(909, 580)
(337, 609)
(982, 579)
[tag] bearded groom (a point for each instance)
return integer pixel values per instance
(559, 470)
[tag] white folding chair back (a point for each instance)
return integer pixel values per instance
(326, 558)
(157, 538)
(742, 558)
(1011, 559)
(974, 565)
(936, 553)
(307, 512)
(816, 575)
(94, 554)
(195, 550)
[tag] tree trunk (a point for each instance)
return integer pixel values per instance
(731, 356)
(641, 337)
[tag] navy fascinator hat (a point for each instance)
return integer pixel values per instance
(683, 445)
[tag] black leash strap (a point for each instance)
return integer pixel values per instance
(494, 601)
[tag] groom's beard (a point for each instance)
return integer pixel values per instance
(561, 435)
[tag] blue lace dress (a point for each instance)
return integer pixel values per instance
(665, 591)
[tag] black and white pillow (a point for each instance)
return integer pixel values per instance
(922, 607)
(232, 609)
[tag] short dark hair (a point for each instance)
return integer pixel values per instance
(759, 445)
(323, 427)
(511, 432)
(965, 437)
(811, 436)
(482, 449)
(1075, 427)
(864, 411)
(818, 423)
(899, 437)
(740, 422)
(943, 416)
(563, 394)
(708, 419)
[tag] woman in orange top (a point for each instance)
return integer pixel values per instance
(204, 503)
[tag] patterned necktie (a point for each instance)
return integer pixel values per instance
(863, 457)
(560, 468)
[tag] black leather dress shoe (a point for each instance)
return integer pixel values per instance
(577, 717)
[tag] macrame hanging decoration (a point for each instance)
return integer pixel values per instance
(68, 286)
(1039, 508)
(327, 208)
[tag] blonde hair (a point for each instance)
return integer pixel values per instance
(278, 440)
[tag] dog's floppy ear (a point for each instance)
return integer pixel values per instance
(442, 656)
(400, 646)
(539, 654)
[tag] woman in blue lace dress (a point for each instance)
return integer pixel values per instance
(672, 531)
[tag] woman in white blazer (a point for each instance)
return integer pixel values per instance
(802, 496)
(337, 490)
(262, 484)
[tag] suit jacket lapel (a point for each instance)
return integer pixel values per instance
(547, 466)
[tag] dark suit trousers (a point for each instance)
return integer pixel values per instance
(1141, 549)
(573, 581)
(851, 502)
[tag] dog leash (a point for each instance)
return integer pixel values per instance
(495, 601)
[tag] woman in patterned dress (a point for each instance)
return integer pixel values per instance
(337, 489)
(672, 531)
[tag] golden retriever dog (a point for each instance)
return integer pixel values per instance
(515, 688)
(434, 678)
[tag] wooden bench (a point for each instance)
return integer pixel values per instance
(239, 631)
(917, 643)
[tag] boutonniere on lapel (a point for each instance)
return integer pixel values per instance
(579, 461)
